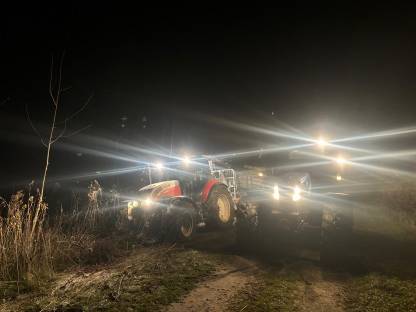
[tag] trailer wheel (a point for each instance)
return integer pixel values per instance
(221, 207)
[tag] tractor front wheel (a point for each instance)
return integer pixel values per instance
(181, 221)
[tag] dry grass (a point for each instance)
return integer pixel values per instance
(32, 251)
(146, 280)
(24, 256)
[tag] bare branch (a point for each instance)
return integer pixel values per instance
(66, 88)
(51, 81)
(77, 111)
(33, 126)
(63, 135)
(60, 135)
(76, 132)
(58, 91)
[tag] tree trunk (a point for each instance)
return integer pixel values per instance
(45, 172)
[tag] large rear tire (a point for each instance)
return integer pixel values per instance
(221, 207)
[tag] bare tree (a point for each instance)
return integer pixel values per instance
(55, 92)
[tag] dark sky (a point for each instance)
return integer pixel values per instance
(186, 70)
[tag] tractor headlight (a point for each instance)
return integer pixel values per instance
(296, 193)
(130, 206)
(133, 204)
(276, 194)
(147, 203)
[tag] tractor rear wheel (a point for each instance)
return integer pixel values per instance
(221, 207)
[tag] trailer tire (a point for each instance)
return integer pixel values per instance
(221, 207)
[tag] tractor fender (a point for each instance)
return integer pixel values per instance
(208, 187)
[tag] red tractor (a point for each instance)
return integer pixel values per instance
(186, 198)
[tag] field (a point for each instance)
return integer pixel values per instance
(115, 271)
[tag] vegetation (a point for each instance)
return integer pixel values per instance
(147, 280)
(271, 292)
(65, 263)
(381, 293)
(24, 256)
(84, 241)
(27, 260)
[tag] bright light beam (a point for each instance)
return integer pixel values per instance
(380, 134)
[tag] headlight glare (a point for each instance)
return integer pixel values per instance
(296, 193)
(276, 194)
(147, 203)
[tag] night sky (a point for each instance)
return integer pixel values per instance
(179, 74)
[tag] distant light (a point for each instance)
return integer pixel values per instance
(340, 160)
(321, 142)
(339, 178)
(186, 160)
(159, 165)
(260, 174)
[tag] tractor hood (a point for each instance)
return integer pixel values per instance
(162, 189)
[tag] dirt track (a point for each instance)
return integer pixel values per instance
(214, 293)
(320, 291)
